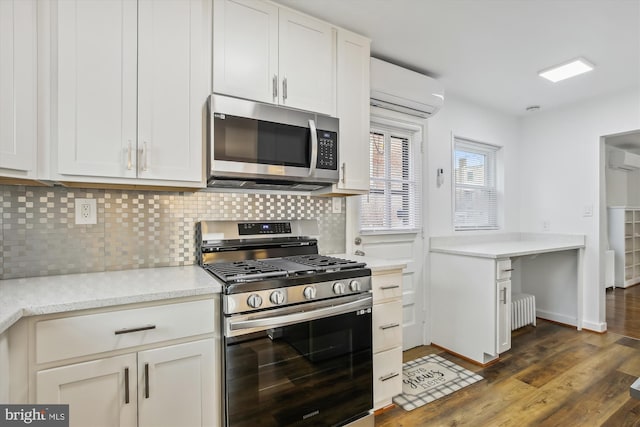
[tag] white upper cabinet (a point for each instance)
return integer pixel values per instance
(18, 88)
(96, 95)
(174, 72)
(353, 112)
(132, 82)
(307, 63)
(275, 55)
(245, 46)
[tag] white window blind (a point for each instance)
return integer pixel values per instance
(475, 193)
(393, 202)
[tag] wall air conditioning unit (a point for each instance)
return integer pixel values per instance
(396, 88)
(619, 159)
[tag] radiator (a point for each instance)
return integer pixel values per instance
(523, 310)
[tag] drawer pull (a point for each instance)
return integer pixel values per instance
(389, 326)
(146, 380)
(508, 269)
(384, 288)
(130, 330)
(126, 385)
(388, 377)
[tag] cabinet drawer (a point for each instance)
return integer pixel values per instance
(387, 325)
(387, 376)
(386, 286)
(75, 336)
(503, 269)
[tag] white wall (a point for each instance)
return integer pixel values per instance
(562, 172)
(466, 119)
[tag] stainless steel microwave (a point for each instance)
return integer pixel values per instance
(262, 146)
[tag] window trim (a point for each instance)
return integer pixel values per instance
(479, 147)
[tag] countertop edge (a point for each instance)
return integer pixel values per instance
(18, 303)
(494, 255)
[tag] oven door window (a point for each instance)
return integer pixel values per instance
(239, 139)
(312, 373)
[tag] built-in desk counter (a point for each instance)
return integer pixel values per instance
(473, 277)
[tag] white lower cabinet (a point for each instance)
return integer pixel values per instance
(503, 323)
(170, 384)
(99, 393)
(471, 305)
(387, 337)
(175, 385)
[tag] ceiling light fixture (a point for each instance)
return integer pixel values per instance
(565, 70)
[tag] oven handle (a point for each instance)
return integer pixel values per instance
(289, 319)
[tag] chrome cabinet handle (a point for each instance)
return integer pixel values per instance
(389, 326)
(129, 164)
(388, 377)
(275, 86)
(503, 291)
(314, 147)
(344, 172)
(508, 269)
(284, 89)
(145, 153)
(126, 385)
(385, 288)
(146, 380)
(130, 330)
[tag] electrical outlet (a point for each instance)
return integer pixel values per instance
(587, 211)
(546, 225)
(336, 204)
(86, 211)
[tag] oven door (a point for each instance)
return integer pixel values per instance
(300, 368)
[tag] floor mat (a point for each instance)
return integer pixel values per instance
(429, 378)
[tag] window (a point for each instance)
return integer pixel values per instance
(475, 193)
(393, 202)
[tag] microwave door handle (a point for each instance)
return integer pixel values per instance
(314, 147)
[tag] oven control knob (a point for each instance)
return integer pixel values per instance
(355, 286)
(338, 288)
(277, 297)
(254, 301)
(309, 292)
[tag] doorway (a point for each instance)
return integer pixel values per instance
(621, 234)
(387, 223)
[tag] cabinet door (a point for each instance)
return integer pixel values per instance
(173, 86)
(245, 49)
(96, 391)
(503, 321)
(18, 85)
(307, 60)
(353, 110)
(176, 386)
(96, 87)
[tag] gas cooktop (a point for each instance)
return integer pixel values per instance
(291, 266)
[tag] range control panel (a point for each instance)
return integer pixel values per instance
(327, 150)
(249, 228)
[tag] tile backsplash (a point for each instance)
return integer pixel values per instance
(135, 229)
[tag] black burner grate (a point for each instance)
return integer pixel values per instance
(244, 270)
(324, 263)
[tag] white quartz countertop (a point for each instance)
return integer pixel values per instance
(375, 264)
(56, 294)
(506, 245)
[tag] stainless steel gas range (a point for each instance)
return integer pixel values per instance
(297, 344)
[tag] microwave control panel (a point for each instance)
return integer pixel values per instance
(327, 150)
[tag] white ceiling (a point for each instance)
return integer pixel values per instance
(489, 51)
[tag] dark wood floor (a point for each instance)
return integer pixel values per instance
(552, 376)
(623, 311)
